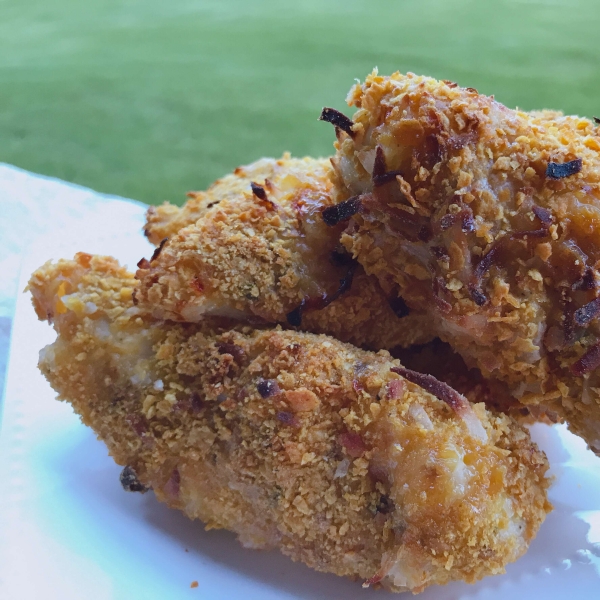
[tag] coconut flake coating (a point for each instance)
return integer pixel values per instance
(291, 440)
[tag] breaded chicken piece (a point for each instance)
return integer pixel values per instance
(166, 220)
(296, 441)
(364, 316)
(489, 220)
(438, 359)
(263, 254)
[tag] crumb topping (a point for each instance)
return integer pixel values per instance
(291, 440)
(489, 222)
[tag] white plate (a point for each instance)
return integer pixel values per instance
(68, 531)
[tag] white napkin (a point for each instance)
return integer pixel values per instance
(34, 207)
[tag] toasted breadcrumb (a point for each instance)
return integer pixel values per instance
(490, 221)
(264, 254)
(337, 461)
(166, 220)
(438, 359)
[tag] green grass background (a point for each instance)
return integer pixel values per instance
(148, 99)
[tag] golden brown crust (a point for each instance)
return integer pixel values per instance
(438, 359)
(273, 260)
(166, 220)
(249, 254)
(290, 439)
(488, 217)
(363, 316)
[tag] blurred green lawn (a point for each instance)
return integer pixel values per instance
(150, 98)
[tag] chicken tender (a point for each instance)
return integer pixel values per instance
(487, 219)
(263, 254)
(340, 458)
(166, 220)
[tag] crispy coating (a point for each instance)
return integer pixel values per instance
(488, 218)
(291, 440)
(363, 316)
(166, 220)
(268, 256)
(438, 359)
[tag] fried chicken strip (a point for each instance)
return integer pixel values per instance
(292, 440)
(166, 220)
(489, 220)
(262, 253)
